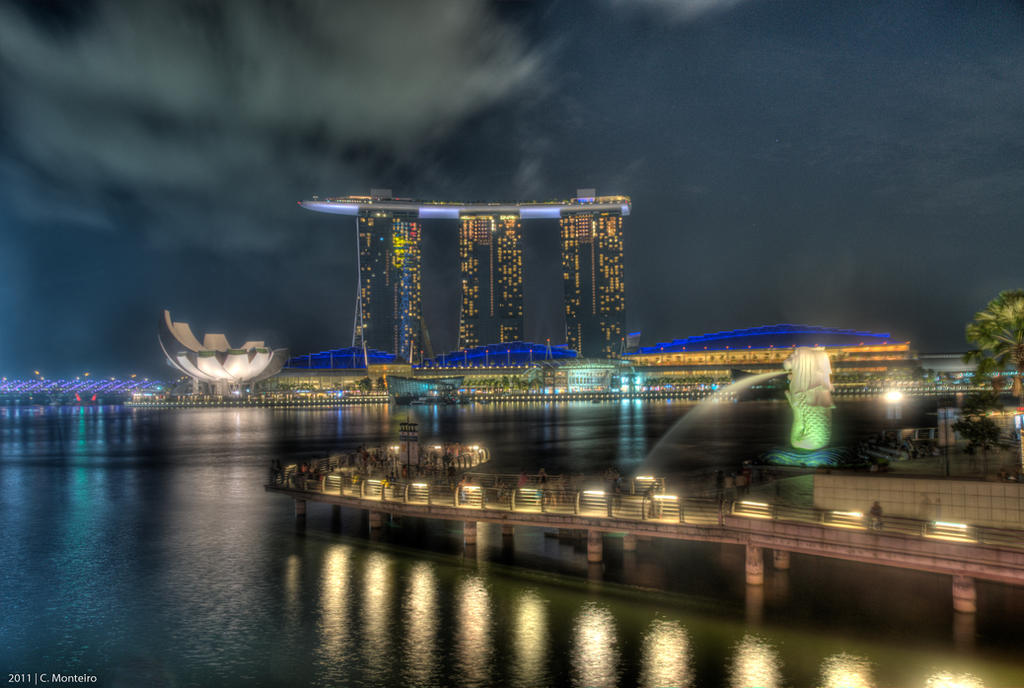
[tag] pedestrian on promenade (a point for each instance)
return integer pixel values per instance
(876, 516)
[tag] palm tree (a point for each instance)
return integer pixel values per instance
(997, 335)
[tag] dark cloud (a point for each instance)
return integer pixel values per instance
(178, 105)
(680, 10)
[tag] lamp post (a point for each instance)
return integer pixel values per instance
(945, 415)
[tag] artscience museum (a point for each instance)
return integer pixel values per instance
(214, 362)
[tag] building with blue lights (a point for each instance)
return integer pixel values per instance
(504, 355)
(388, 317)
(760, 349)
(349, 368)
(349, 358)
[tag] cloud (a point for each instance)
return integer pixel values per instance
(683, 10)
(176, 109)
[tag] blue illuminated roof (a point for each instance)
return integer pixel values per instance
(339, 359)
(499, 355)
(771, 336)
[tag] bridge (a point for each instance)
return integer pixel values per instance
(78, 390)
(962, 551)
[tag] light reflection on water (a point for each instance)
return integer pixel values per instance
(292, 585)
(947, 679)
(846, 671)
(531, 641)
(595, 649)
(666, 656)
(421, 618)
(474, 646)
(378, 580)
(756, 663)
(334, 649)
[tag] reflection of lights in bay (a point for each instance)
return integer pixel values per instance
(846, 671)
(666, 656)
(292, 586)
(473, 631)
(376, 613)
(595, 652)
(420, 606)
(946, 679)
(334, 622)
(531, 640)
(756, 664)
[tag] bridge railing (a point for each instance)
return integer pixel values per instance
(657, 507)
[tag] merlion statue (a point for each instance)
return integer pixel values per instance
(810, 395)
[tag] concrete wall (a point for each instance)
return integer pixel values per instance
(996, 504)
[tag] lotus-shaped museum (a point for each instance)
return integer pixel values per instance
(215, 361)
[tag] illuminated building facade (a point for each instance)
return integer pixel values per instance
(595, 288)
(491, 264)
(388, 309)
(761, 349)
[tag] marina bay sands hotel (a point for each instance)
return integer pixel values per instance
(490, 253)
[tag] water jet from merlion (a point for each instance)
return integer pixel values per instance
(809, 396)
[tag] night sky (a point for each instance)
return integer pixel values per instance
(844, 164)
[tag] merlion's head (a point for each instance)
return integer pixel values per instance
(809, 369)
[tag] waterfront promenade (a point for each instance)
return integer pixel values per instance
(644, 508)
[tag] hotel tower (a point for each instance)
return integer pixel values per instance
(491, 267)
(592, 275)
(388, 308)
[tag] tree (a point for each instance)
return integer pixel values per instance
(975, 425)
(997, 335)
(365, 385)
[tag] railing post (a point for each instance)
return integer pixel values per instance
(608, 504)
(576, 504)
(405, 494)
(512, 499)
(643, 508)
(542, 500)
(362, 488)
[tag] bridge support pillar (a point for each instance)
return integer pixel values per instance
(629, 543)
(469, 533)
(755, 565)
(508, 531)
(780, 559)
(376, 520)
(300, 508)
(965, 597)
(595, 546)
